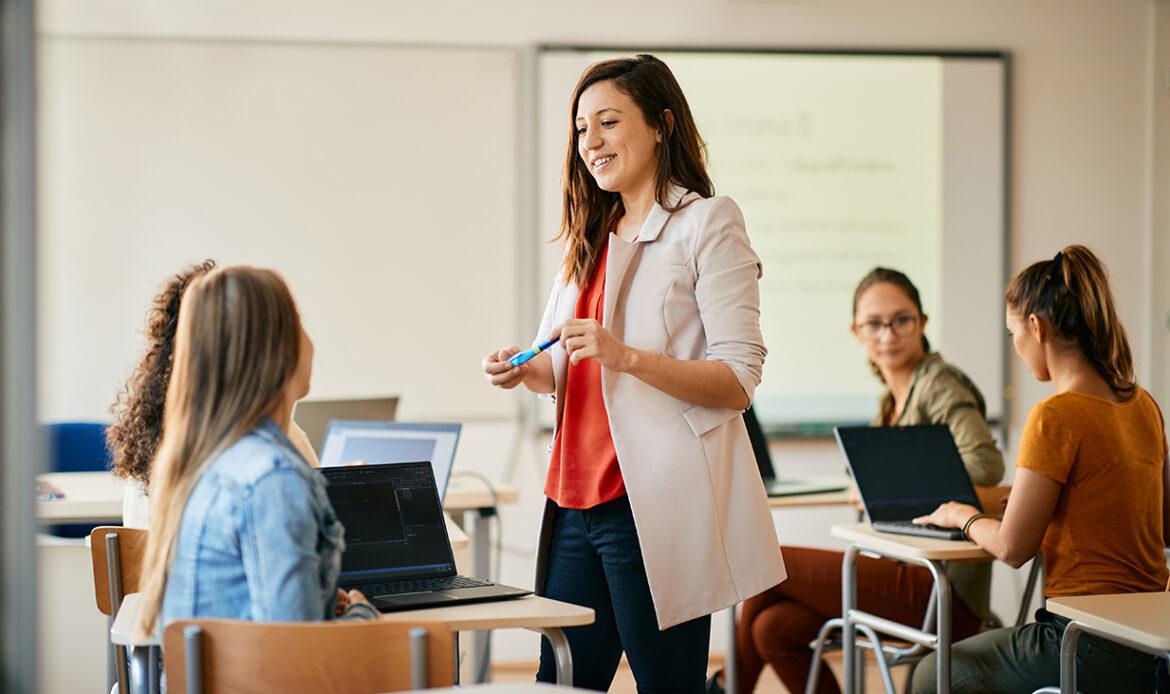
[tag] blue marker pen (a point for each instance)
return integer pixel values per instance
(518, 359)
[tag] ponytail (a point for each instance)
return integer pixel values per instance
(1071, 292)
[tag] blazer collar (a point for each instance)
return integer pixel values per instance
(658, 216)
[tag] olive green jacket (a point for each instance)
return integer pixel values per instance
(942, 394)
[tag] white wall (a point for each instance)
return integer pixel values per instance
(1082, 90)
(1084, 126)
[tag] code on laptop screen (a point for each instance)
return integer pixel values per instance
(394, 525)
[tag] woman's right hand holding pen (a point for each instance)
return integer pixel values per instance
(500, 373)
(536, 373)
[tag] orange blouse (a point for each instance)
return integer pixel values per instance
(583, 471)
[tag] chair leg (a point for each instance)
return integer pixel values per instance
(418, 658)
(911, 666)
(193, 655)
(880, 656)
(114, 586)
(814, 673)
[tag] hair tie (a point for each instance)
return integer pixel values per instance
(1058, 257)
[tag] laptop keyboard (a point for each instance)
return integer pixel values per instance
(906, 527)
(422, 585)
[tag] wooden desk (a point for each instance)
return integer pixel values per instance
(96, 497)
(907, 547)
(925, 551)
(511, 688)
(90, 497)
(532, 612)
(1138, 620)
(840, 498)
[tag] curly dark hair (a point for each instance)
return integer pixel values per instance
(138, 408)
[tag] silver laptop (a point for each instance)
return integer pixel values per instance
(348, 442)
(314, 415)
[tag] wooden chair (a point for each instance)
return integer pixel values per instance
(211, 656)
(116, 553)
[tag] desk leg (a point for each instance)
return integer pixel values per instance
(140, 670)
(455, 639)
(848, 603)
(561, 654)
(943, 602)
(731, 667)
(1068, 658)
(481, 561)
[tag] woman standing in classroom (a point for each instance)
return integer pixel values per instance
(656, 514)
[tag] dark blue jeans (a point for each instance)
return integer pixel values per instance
(595, 561)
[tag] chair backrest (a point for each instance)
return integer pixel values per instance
(77, 447)
(131, 549)
(992, 499)
(349, 656)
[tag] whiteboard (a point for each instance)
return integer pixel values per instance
(840, 162)
(381, 180)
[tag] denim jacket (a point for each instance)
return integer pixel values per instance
(258, 539)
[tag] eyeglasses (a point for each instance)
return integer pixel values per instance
(900, 326)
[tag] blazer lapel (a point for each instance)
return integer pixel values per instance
(617, 263)
(621, 253)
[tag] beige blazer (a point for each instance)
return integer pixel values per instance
(687, 288)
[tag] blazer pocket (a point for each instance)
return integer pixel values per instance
(703, 419)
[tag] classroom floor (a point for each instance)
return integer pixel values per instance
(624, 681)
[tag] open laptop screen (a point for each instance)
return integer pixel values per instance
(905, 472)
(392, 442)
(394, 525)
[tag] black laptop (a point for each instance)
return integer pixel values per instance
(781, 487)
(906, 472)
(396, 547)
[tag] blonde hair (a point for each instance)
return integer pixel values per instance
(236, 349)
(1071, 292)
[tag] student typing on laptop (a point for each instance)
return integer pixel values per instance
(242, 527)
(775, 627)
(1091, 491)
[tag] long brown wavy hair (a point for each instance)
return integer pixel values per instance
(236, 349)
(138, 409)
(1071, 293)
(682, 157)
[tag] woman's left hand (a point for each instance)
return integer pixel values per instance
(952, 514)
(584, 338)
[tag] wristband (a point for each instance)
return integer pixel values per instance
(970, 521)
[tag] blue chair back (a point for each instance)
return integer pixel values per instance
(76, 447)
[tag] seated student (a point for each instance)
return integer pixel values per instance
(775, 627)
(1091, 491)
(138, 411)
(242, 527)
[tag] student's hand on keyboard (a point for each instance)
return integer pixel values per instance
(358, 596)
(344, 600)
(952, 514)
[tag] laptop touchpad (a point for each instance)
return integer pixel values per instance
(411, 598)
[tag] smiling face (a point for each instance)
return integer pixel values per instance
(1027, 341)
(617, 145)
(890, 327)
